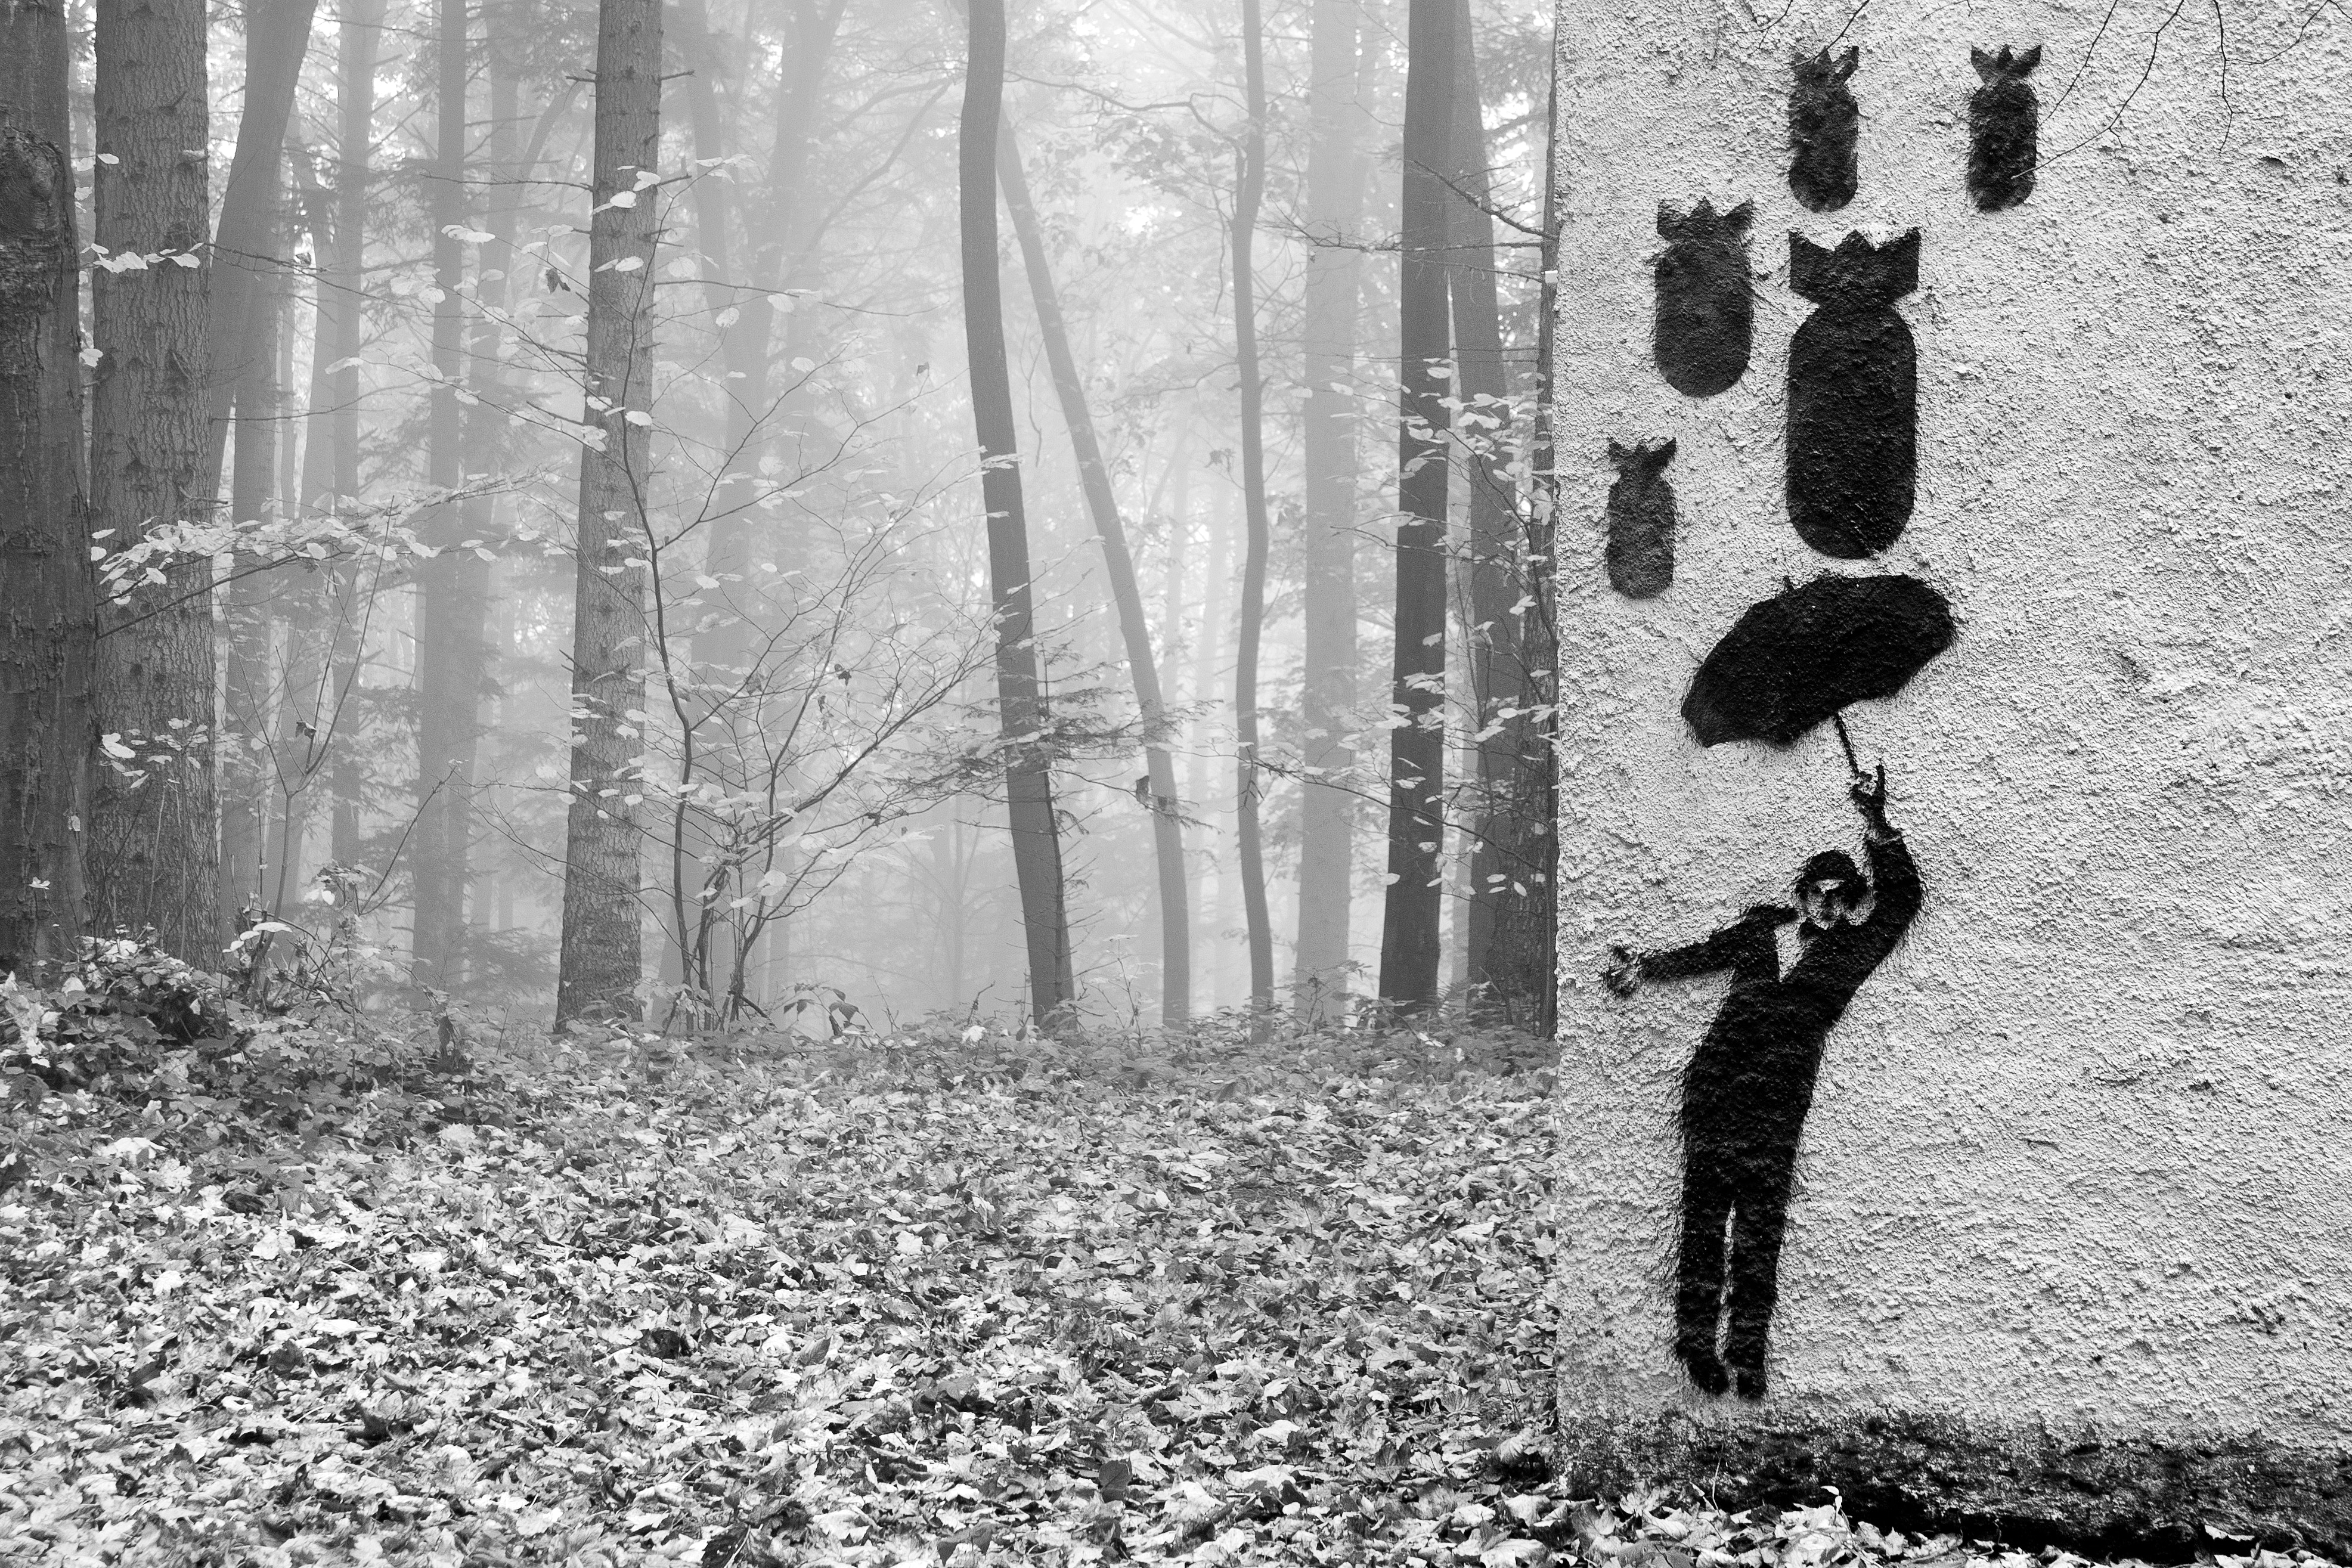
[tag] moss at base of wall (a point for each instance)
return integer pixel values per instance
(2024, 1484)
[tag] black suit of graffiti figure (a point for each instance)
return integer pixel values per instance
(1750, 1083)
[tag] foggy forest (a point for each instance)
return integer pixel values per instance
(807, 513)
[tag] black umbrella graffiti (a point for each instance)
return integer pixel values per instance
(1802, 656)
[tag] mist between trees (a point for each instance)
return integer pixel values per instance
(794, 510)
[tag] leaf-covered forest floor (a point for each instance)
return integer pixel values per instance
(946, 1300)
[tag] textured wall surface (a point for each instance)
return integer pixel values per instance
(2078, 1160)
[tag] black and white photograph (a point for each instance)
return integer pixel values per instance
(970, 783)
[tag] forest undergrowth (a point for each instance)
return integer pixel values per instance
(286, 1291)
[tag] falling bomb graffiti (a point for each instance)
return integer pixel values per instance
(2063, 1250)
(1853, 395)
(2004, 128)
(1705, 313)
(1824, 169)
(1640, 550)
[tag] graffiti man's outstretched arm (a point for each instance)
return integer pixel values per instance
(1745, 947)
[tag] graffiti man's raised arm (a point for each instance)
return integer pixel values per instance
(1895, 876)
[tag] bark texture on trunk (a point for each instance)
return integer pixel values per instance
(49, 599)
(1246, 788)
(1135, 630)
(152, 846)
(1410, 929)
(1037, 837)
(603, 943)
(1335, 201)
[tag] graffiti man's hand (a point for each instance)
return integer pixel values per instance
(1870, 795)
(1623, 973)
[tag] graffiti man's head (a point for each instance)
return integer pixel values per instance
(1832, 889)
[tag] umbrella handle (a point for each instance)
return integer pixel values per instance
(1847, 741)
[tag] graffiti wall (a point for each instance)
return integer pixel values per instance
(1957, 790)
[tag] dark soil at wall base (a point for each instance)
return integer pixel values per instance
(2169, 1500)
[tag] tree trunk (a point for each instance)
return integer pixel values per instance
(1143, 668)
(1247, 196)
(1509, 831)
(1410, 929)
(483, 450)
(341, 332)
(277, 37)
(1527, 939)
(452, 587)
(1173, 643)
(602, 942)
(49, 598)
(152, 852)
(1208, 652)
(298, 749)
(245, 606)
(282, 827)
(1029, 789)
(241, 284)
(1334, 190)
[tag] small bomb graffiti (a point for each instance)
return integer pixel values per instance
(1707, 310)
(2004, 128)
(1853, 380)
(1749, 1085)
(1823, 120)
(1640, 551)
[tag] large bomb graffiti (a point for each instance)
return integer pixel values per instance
(1853, 392)
(1788, 667)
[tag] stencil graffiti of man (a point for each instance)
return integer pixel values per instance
(1750, 1082)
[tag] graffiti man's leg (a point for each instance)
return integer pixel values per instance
(1698, 1270)
(1756, 1230)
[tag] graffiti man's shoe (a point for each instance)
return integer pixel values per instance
(1705, 1370)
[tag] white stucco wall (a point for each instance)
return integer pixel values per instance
(2082, 1150)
